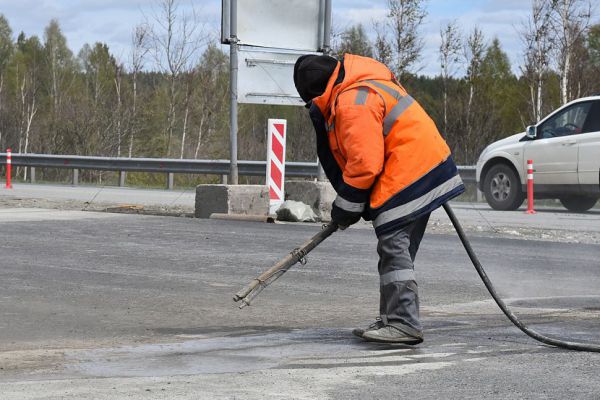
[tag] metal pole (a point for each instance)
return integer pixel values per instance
(326, 51)
(327, 28)
(233, 75)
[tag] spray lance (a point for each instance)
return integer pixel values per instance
(256, 286)
(247, 294)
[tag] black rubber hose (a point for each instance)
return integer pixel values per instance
(512, 317)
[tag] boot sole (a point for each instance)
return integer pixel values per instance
(406, 341)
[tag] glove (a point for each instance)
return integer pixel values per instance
(342, 215)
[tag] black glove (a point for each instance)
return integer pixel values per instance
(344, 218)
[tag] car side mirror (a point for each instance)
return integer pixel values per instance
(531, 132)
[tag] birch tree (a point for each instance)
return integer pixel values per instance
(382, 48)
(571, 21)
(212, 99)
(473, 53)
(405, 17)
(59, 75)
(118, 82)
(101, 69)
(176, 38)
(355, 41)
(537, 37)
(450, 47)
(24, 69)
(139, 50)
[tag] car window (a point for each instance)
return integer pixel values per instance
(592, 123)
(567, 122)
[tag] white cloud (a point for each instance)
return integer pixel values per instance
(112, 21)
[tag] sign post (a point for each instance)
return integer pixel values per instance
(265, 41)
(233, 112)
(277, 129)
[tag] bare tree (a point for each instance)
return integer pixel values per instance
(450, 47)
(382, 47)
(27, 93)
(189, 91)
(571, 21)
(474, 48)
(138, 54)
(118, 81)
(537, 37)
(212, 77)
(405, 17)
(176, 38)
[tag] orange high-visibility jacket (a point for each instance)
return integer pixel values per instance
(380, 150)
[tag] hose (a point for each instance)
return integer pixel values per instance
(512, 317)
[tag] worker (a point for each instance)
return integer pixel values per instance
(388, 164)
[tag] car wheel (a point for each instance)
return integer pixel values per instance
(502, 188)
(578, 203)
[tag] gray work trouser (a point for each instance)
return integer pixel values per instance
(399, 297)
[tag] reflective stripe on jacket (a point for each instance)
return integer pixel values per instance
(381, 151)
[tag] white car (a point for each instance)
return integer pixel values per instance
(565, 150)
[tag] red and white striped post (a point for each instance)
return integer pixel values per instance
(8, 168)
(530, 209)
(276, 162)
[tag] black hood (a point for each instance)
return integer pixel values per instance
(311, 74)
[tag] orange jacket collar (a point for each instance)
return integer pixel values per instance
(356, 69)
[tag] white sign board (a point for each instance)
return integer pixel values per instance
(282, 24)
(267, 77)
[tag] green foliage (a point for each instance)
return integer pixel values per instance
(594, 44)
(6, 43)
(355, 41)
(90, 104)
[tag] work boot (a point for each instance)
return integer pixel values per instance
(374, 326)
(392, 334)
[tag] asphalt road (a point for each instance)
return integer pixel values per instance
(110, 306)
(90, 196)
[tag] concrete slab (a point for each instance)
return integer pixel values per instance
(231, 199)
(319, 195)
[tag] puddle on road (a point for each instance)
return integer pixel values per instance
(213, 355)
(202, 351)
(302, 348)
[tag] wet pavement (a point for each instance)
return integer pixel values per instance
(140, 307)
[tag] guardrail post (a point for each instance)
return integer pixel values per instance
(122, 177)
(224, 179)
(32, 174)
(75, 177)
(170, 181)
(320, 172)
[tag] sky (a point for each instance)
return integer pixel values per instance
(112, 21)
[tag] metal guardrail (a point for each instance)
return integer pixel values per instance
(168, 166)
